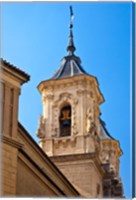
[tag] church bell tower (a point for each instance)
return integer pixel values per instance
(70, 129)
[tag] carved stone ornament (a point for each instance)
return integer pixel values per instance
(80, 92)
(55, 132)
(74, 129)
(41, 127)
(112, 168)
(104, 156)
(64, 98)
(44, 98)
(90, 123)
(75, 101)
(66, 95)
(49, 96)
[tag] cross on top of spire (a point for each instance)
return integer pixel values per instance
(71, 48)
(71, 17)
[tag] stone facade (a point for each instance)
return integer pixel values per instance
(25, 169)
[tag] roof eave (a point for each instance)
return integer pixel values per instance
(15, 71)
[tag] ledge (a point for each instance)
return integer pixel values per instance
(11, 142)
(64, 139)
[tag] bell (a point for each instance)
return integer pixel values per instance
(66, 122)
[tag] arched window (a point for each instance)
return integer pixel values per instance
(65, 121)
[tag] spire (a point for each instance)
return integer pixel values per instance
(70, 64)
(71, 48)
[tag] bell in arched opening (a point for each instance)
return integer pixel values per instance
(65, 121)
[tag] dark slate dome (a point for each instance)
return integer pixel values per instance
(71, 64)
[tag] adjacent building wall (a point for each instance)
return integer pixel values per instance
(9, 172)
(30, 182)
(26, 170)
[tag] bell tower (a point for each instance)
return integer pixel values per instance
(70, 128)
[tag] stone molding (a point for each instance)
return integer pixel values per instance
(12, 142)
(79, 80)
(64, 98)
(84, 157)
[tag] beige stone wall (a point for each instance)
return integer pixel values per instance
(84, 175)
(9, 166)
(30, 182)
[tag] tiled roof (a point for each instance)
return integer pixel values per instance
(14, 68)
(70, 66)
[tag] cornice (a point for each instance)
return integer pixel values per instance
(78, 79)
(79, 157)
(11, 142)
(83, 80)
(14, 72)
(73, 157)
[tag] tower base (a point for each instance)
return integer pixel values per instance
(84, 172)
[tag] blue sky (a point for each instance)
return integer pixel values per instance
(35, 37)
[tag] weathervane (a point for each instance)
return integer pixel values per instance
(71, 17)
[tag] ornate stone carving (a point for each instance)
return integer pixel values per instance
(104, 155)
(74, 129)
(65, 96)
(55, 132)
(41, 127)
(43, 99)
(89, 94)
(112, 185)
(80, 92)
(75, 101)
(62, 99)
(90, 121)
(49, 96)
(112, 168)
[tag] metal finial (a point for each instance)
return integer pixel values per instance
(71, 48)
(71, 17)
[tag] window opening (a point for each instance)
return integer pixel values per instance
(65, 121)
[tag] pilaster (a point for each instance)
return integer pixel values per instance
(6, 117)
